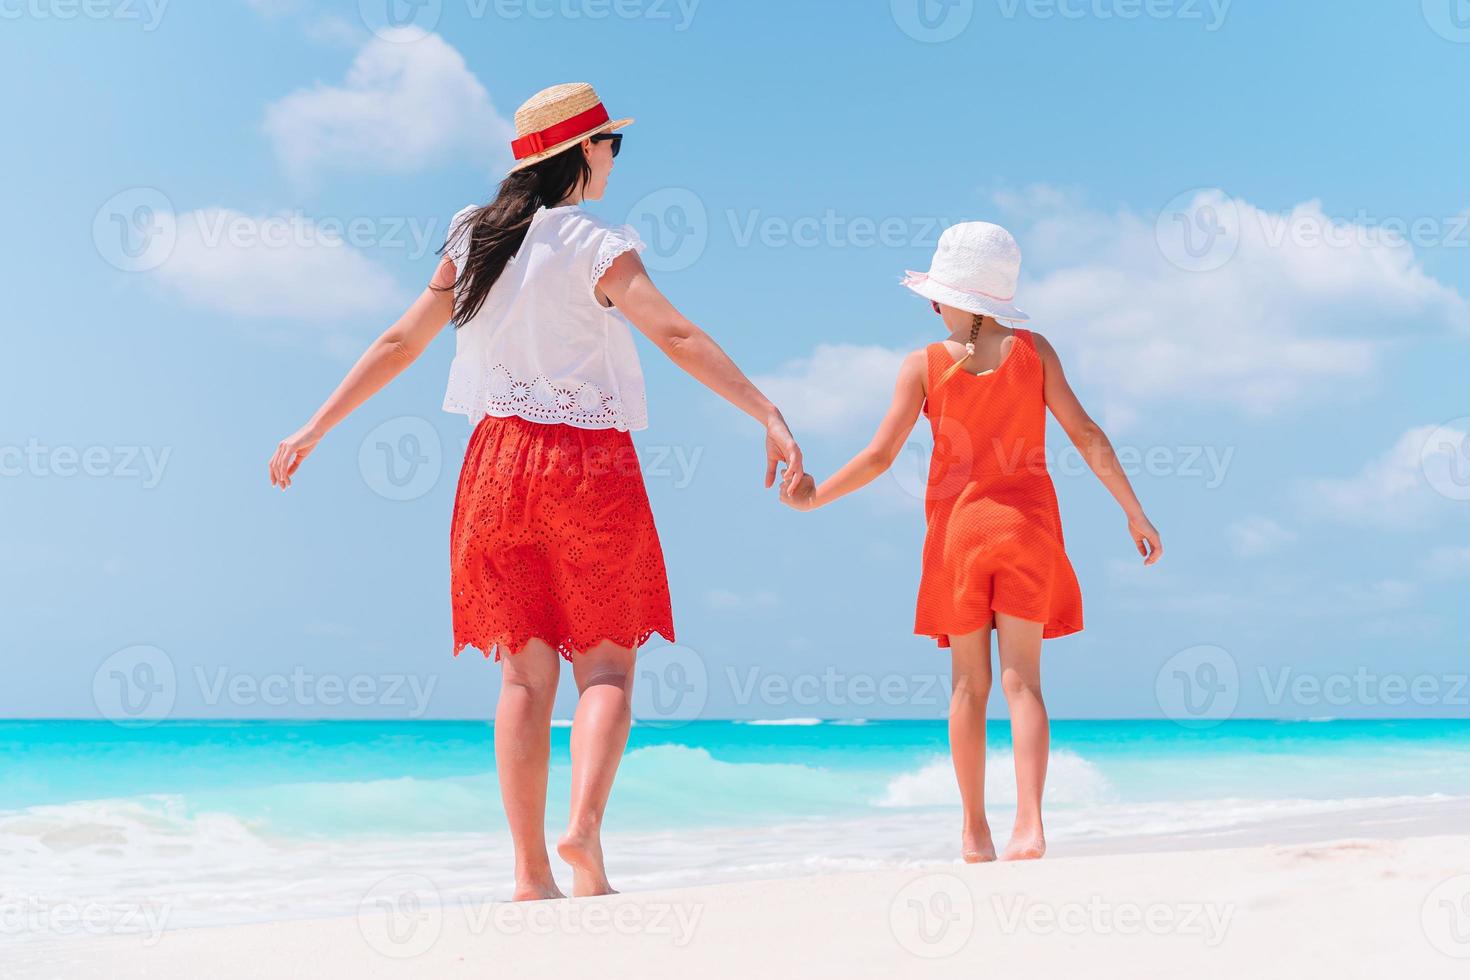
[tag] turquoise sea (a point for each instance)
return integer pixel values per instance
(235, 821)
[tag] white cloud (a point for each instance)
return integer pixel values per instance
(1391, 490)
(402, 108)
(1251, 537)
(1288, 315)
(839, 388)
(279, 266)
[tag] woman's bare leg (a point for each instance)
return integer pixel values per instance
(1020, 679)
(969, 692)
(599, 735)
(522, 754)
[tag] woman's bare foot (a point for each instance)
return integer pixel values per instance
(583, 851)
(976, 845)
(537, 891)
(1025, 846)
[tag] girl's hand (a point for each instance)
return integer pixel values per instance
(1143, 533)
(801, 497)
(289, 454)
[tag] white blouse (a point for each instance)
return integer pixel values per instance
(542, 347)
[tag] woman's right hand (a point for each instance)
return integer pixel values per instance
(781, 447)
(290, 453)
(1144, 533)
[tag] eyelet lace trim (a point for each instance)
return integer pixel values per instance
(539, 400)
(613, 244)
(569, 648)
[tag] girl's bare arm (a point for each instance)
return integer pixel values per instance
(887, 442)
(1097, 449)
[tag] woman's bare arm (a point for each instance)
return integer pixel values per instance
(1096, 449)
(397, 348)
(883, 449)
(629, 287)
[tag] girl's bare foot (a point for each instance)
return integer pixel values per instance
(537, 891)
(583, 851)
(1025, 846)
(976, 845)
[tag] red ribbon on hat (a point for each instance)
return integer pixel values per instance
(533, 143)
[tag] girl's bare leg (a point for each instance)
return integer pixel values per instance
(1020, 679)
(522, 754)
(599, 735)
(969, 691)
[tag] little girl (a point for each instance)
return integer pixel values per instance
(994, 555)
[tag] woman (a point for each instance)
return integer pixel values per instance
(553, 548)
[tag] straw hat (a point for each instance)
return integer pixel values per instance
(556, 118)
(974, 269)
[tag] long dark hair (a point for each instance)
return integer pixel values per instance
(496, 230)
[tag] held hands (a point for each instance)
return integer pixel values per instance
(1143, 533)
(290, 454)
(802, 496)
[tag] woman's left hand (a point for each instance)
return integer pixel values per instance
(781, 447)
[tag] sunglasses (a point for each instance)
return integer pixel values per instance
(615, 138)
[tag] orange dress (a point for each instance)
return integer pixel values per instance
(994, 542)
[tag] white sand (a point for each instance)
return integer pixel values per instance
(1352, 908)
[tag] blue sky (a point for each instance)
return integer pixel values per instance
(1245, 229)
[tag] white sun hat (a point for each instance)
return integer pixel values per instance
(974, 269)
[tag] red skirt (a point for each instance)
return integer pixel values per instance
(553, 539)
